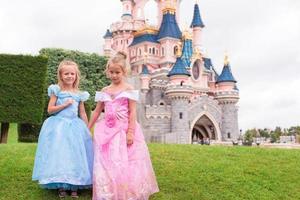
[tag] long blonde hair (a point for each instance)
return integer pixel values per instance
(60, 69)
(119, 59)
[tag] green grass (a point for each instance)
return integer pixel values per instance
(189, 172)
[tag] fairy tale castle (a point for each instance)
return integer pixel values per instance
(183, 99)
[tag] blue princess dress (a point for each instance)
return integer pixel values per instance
(64, 156)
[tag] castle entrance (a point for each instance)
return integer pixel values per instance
(203, 131)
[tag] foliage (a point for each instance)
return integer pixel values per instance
(264, 133)
(91, 66)
(22, 85)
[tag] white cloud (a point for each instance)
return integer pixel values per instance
(261, 37)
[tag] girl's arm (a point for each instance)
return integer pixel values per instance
(132, 121)
(82, 112)
(96, 113)
(52, 108)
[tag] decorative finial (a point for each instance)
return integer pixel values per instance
(226, 60)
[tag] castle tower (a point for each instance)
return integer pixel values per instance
(227, 96)
(197, 26)
(127, 8)
(161, 5)
(169, 36)
(179, 93)
(107, 43)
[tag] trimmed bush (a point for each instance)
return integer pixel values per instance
(22, 88)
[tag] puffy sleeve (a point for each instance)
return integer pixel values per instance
(84, 96)
(53, 89)
(133, 95)
(102, 96)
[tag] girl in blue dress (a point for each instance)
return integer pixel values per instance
(64, 154)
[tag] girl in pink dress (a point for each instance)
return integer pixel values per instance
(122, 165)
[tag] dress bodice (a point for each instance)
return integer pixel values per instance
(116, 106)
(62, 96)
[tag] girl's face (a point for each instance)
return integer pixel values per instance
(68, 75)
(115, 73)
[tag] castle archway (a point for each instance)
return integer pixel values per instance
(204, 129)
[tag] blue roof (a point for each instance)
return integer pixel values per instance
(108, 34)
(187, 52)
(144, 38)
(207, 63)
(226, 75)
(179, 68)
(169, 27)
(197, 21)
(145, 70)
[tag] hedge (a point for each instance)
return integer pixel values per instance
(22, 88)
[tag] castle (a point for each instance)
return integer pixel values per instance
(183, 99)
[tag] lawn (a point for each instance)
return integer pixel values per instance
(183, 172)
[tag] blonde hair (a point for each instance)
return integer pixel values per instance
(60, 69)
(119, 59)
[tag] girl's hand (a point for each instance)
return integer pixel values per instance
(129, 138)
(69, 102)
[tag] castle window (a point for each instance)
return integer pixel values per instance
(127, 41)
(149, 50)
(153, 50)
(162, 51)
(175, 50)
(228, 135)
(140, 52)
(180, 115)
(121, 41)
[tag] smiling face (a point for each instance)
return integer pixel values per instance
(68, 75)
(115, 73)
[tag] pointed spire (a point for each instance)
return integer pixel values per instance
(187, 51)
(226, 75)
(108, 34)
(179, 68)
(169, 26)
(197, 21)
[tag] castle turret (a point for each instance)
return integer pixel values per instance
(179, 92)
(227, 96)
(169, 36)
(145, 78)
(197, 26)
(161, 5)
(127, 9)
(107, 43)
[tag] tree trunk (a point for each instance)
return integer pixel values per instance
(4, 132)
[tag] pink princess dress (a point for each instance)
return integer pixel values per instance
(121, 172)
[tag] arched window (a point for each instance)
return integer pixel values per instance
(175, 50)
(140, 52)
(153, 51)
(162, 51)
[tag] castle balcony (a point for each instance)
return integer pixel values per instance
(179, 91)
(226, 97)
(158, 112)
(126, 26)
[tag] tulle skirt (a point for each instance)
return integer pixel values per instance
(64, 156)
